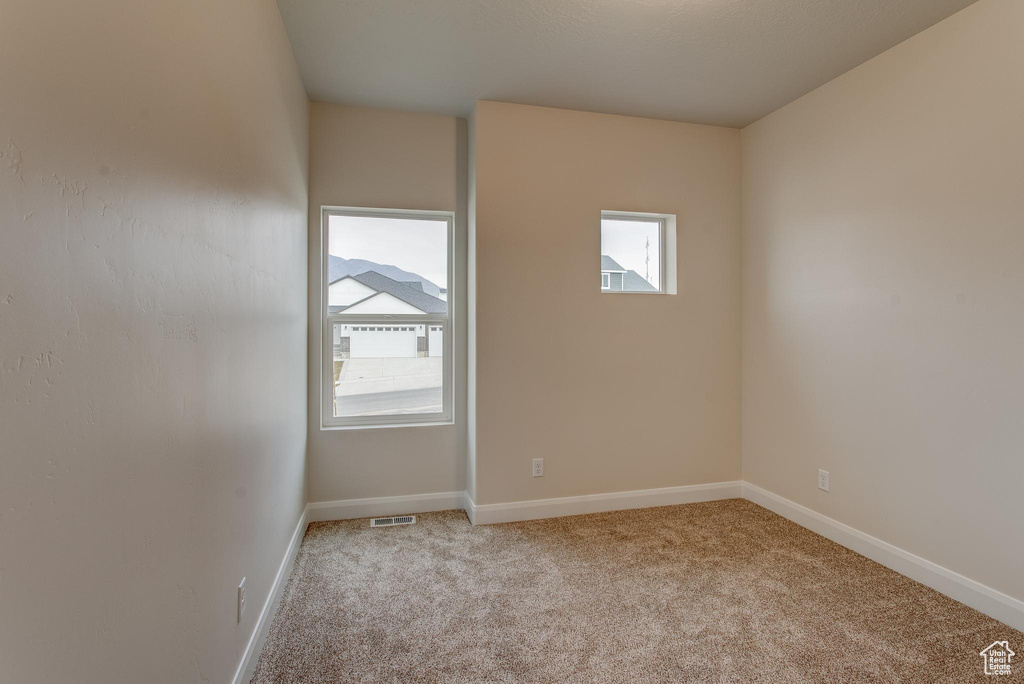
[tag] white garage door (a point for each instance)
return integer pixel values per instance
(436, 341)
(370, 341)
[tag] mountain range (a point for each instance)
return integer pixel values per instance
(339, 268)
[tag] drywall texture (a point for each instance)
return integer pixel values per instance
(616, 392)
(152, 333)
(883, 281)
(383, 159)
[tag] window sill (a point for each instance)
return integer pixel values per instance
(433, 423)
(629, 292)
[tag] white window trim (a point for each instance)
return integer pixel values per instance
(666, 248)
(446, 321)
(606, 281)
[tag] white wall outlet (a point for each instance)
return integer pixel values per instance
(241, 599)
(823, 480)
(538, 467)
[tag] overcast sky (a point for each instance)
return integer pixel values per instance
(412, 245)
(624, 241)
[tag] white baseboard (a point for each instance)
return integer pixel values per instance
(488, 514)
(943, 580)
(259, 633)
(347, 509)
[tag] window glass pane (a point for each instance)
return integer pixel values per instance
(631, 255)
(385, 370)
(387, 265)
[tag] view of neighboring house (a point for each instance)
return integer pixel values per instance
(615, 278)
(374, 293)
(338, 267)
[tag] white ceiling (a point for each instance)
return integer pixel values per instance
(726, 62)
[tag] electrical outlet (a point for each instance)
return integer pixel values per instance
(241, 599)
(823, 480)
(538, 467)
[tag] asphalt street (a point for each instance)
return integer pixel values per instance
(425, 400)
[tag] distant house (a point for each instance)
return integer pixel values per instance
(338, 268)
(615, 278)
(374, 293)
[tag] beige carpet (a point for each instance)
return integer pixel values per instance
(712, 592)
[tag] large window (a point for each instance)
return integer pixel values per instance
(386, 292)
(637, 253)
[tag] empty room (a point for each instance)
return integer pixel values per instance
(307, 375)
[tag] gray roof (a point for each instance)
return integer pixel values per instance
(634, 282)
(338, 268)
(414, 296)
(609, 264)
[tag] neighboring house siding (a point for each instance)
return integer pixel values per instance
(382, 303)
(347, 291)
(616, 283)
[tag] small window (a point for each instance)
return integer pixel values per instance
(385, 271)
(638, 253)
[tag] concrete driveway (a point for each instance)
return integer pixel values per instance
(374, 375)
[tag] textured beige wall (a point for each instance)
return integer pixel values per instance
(152, 333)
(615, 392)
(386, 160)
(883, 296)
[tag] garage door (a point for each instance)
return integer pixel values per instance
(390, 341)
(436, 341)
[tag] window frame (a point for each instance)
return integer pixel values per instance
(666, 242)
(328, 421)
(606, 281)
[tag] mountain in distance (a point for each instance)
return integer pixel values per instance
(339, 268)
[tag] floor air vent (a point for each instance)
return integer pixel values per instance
(397, 520)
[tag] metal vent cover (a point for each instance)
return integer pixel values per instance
(395, 520)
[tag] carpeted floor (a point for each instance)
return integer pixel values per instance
(712, 592)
